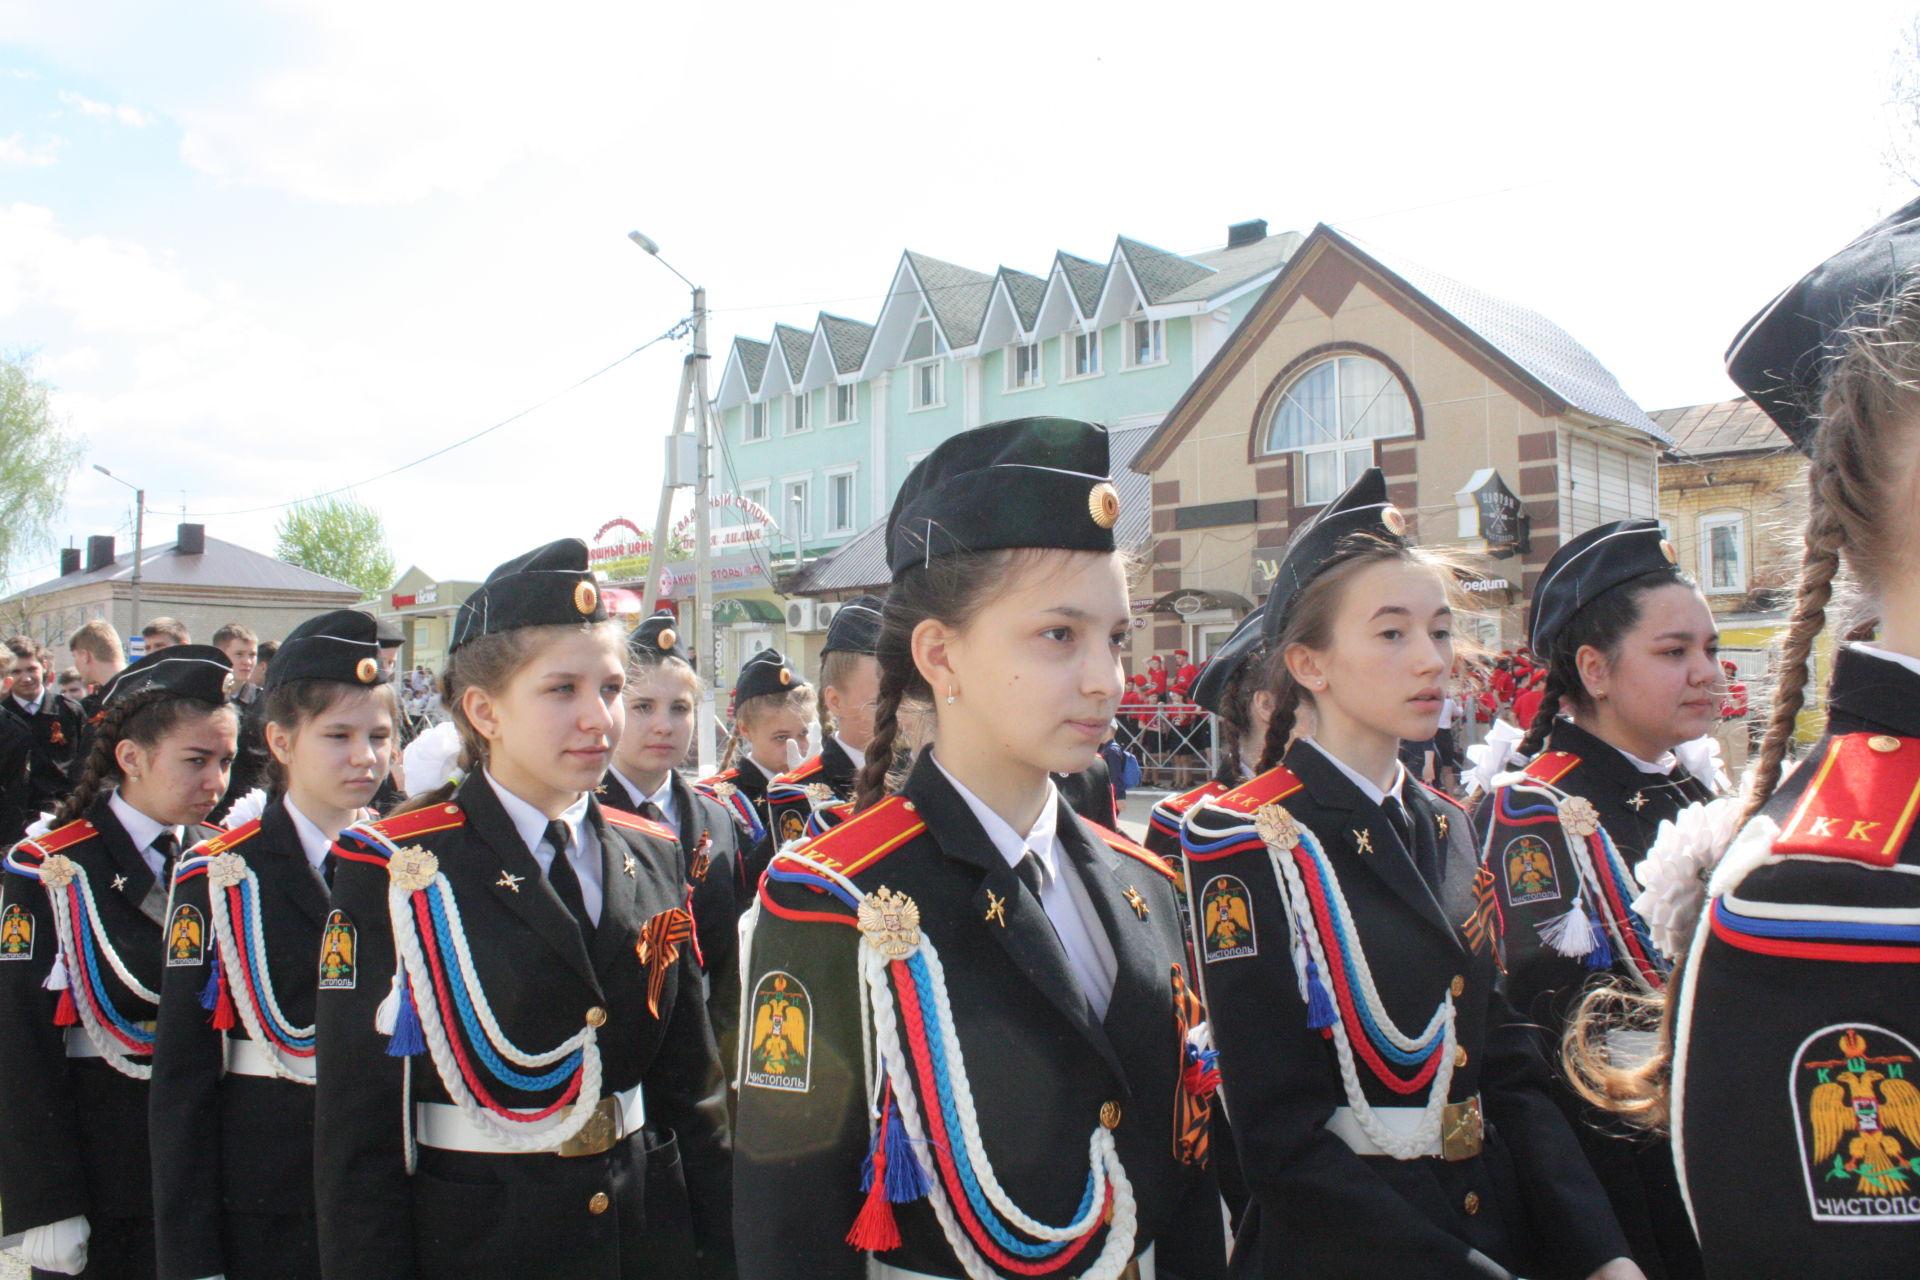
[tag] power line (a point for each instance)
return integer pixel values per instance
(679, 327)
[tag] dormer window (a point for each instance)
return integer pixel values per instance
(923, 340)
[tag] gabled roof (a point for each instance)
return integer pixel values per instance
(1235, 267)
(847, 339)
(753, 359)
(1025, 291)
(1533, 350)
(1726, 426)
(793, 346)
(1086, 279)
(957, 295)
(1160, 274)
(223, 565)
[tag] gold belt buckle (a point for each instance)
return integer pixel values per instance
(1463, 1130)
(599, 1133)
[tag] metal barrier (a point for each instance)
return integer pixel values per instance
(1176, 743)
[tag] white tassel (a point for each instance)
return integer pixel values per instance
(57, 978)
(388, 1014)
(1570, 934)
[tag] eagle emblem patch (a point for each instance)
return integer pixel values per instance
(780, 1054)
(1530, 874)
(792, 827)
(16, 933)
(186, 938)
(1857, 1115)
(1226, 918)
(338, 943)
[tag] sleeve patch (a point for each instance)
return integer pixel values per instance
(16, 933)
(1226, 921)
(1528, 865)
(186, 938)
(780, 1052)
(339, 951)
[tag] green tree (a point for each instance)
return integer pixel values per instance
(340, 537)
(36, 458)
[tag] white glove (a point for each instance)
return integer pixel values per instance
(60, 1247)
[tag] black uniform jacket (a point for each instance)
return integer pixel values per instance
(73, 1131)
(471, 1214)
(1797, 1018)
(788, 803)
(709, 864)
(250, 753)
(1041, 1069)
(59, 728)
(1527, 1203)
(226, 1145)
(1535, 880)
(1089, 793)
(745, 785)
(17, 808)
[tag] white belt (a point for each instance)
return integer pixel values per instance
(877, 1270)
(81, 1045)
(1405, 1122)
(443, 1125)
(248, 1058)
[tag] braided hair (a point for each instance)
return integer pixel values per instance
(145, 717)
(1236, 715)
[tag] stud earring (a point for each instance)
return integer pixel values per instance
(951, 695)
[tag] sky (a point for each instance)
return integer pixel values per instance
(269, 248)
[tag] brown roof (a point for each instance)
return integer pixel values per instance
(1728, 426)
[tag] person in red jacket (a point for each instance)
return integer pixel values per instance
(1185, 673)
(1156, 676)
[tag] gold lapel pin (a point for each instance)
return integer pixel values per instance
(119, 882)
(996, 908)
(508, 880)
(1138, 903)
(1440, 820)
(627, 864)
(1637, 801)
(1363, 841)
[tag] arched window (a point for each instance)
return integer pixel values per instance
(1329, 415)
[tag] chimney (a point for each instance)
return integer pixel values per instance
(191, 540)
(69, 560)
(1246, 233)
(99, 551)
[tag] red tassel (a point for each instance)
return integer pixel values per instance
(875, 1230)
(224, 1018)
(64, 1014)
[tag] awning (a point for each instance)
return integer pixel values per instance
(729, 609)
(1191, 600)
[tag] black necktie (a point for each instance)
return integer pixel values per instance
(564, 879)
(1402, 823)
(167, 845)
(1032, 875)
(651, 812)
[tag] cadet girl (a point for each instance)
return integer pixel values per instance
(849, 687)
(771, 704)
(84, 939)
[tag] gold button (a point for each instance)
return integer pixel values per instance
(596, 1017)
(1459, 985)
(600, 1202)
(1472, 1202)
(1459, 1058)
(1110, 1115)
(909, 806)
(1881, 742)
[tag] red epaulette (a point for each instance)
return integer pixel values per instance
(1275, 784)
(1438, 794)
(864, 839)
(634, 822)
(725, 775)
(420, 822)
(1551, 766)
(1187, 799)
(1120, 844)
(1863, 774)
(228, 839)
(61, 838)
(800, 772)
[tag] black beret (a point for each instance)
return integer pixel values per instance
(389, 633)
(765, 672)
(855, 627)
(660, 637)
(183, 670)
(1781, 356)
(1598, 559)
(549, 586)
(1216, 677)
(1026, 482)
(1362, 509)
(343, 645)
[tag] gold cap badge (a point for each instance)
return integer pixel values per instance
(585, 596)
(1103, 504)
(1396, 522)
(666, 639)
(367, 670)
(1666, 549)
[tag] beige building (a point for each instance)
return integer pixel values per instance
(204, 582)
(423, 607)
(1353, 359)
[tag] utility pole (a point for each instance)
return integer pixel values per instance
(139, 539)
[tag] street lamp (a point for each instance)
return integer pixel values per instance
(139, 535)
(693, 396)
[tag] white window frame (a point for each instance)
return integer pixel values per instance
(1036, 370)
(799, 413)
(852, 390)
(1159, 331)
(1070, 346)
(851, 474)
(760, 493)
(917, 372)
(1737, 521)
(804, 481)
(756, 414)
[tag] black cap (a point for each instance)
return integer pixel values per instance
(1781, 356)
(1027, 482)
(389, 633)
(343, 645)
(1598, 559)
(855, 627)
(765, 672)
(1362, 509)
(549, 586)
(1216, 677)
(183, 670)
(660, 637)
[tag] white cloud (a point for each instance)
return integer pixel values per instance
(131, 116)
(14, 150)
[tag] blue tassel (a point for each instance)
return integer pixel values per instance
(1320, 1010)
(1601, 957)
(407, 1039)
(906, 1180)
(866, 1166)
(210, 994)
